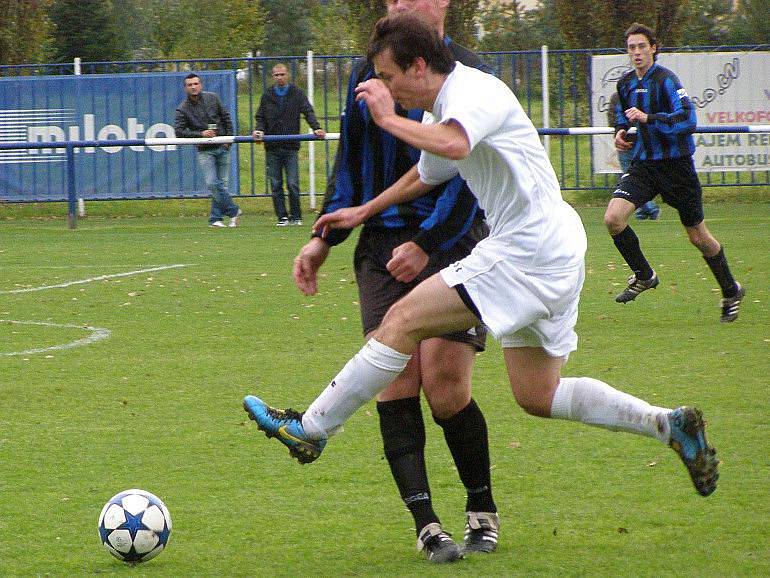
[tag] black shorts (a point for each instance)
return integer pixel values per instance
(378, 290)
(674, 179)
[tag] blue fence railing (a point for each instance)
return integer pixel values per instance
(569, 106)
(70, 146)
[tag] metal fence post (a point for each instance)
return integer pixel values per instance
(72, 215)
(311, 150)
(546, 98)
(81, 203)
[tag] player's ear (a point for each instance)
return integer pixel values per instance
(419, 65)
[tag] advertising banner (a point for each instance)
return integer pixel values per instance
(103, 107)
(726, 88)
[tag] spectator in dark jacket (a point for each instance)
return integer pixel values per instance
(279, 113)
(201, 115)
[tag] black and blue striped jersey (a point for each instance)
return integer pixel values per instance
(370, 159)
(671, 119)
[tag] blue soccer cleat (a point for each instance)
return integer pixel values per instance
(286, 426)
(688, 439)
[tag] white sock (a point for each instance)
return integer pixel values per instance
(593, 402)
(363, 377)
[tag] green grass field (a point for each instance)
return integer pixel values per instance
(157, 405)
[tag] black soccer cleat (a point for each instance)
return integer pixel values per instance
(636, 286)
(481, 529)
(731, 306)
(438, 546)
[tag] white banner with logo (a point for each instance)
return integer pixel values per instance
(727, 88)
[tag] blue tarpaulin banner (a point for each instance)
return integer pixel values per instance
(103, 107)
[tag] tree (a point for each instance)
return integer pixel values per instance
(189, 29)
(332, 28)
(227, 28)
(130, 26)
(460, 22)
(546, 26)
(601, 23)
(24, 28)
(752, 24)
(708, 22)
(85, 28)
(364, 14)
(510, 27)
(288, 27)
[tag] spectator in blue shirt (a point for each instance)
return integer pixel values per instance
(279, 113)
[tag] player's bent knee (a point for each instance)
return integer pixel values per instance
(398, 320)
(448, 398)
(533, 402)
(615, 223)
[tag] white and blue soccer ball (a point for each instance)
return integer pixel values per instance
(134, 526)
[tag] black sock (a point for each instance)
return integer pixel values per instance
(628, 244)
(466, 435)
(403, 438)
(720, 269)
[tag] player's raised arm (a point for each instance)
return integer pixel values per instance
(446, 140)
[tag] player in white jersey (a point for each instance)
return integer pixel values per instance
(523, 281)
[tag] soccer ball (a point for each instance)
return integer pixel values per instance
(134, 526)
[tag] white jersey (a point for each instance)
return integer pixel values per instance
(509, 173)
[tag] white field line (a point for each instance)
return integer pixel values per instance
(97, 334)
(91, 279)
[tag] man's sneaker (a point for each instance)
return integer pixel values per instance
(297, 222)
(636, 286)
(732, 305)
(234, 220)
(439, 548)
(649, 210)
(481, 530)
(286, 425)
(688, 439)
(217, 224)
(282, 222)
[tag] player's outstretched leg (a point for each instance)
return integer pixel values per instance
(481, 529)
(437, 545)
(688, 439)
(636, 286)
(286, 426)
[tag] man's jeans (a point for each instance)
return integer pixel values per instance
(278, 161)
(215, 164)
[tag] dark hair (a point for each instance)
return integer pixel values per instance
(637, 28)
(191, 75)
(408, 38)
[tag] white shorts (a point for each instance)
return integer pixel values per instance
(521, 308)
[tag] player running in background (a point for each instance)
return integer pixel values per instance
(652, 99)
(523, 281)
(396, 250)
